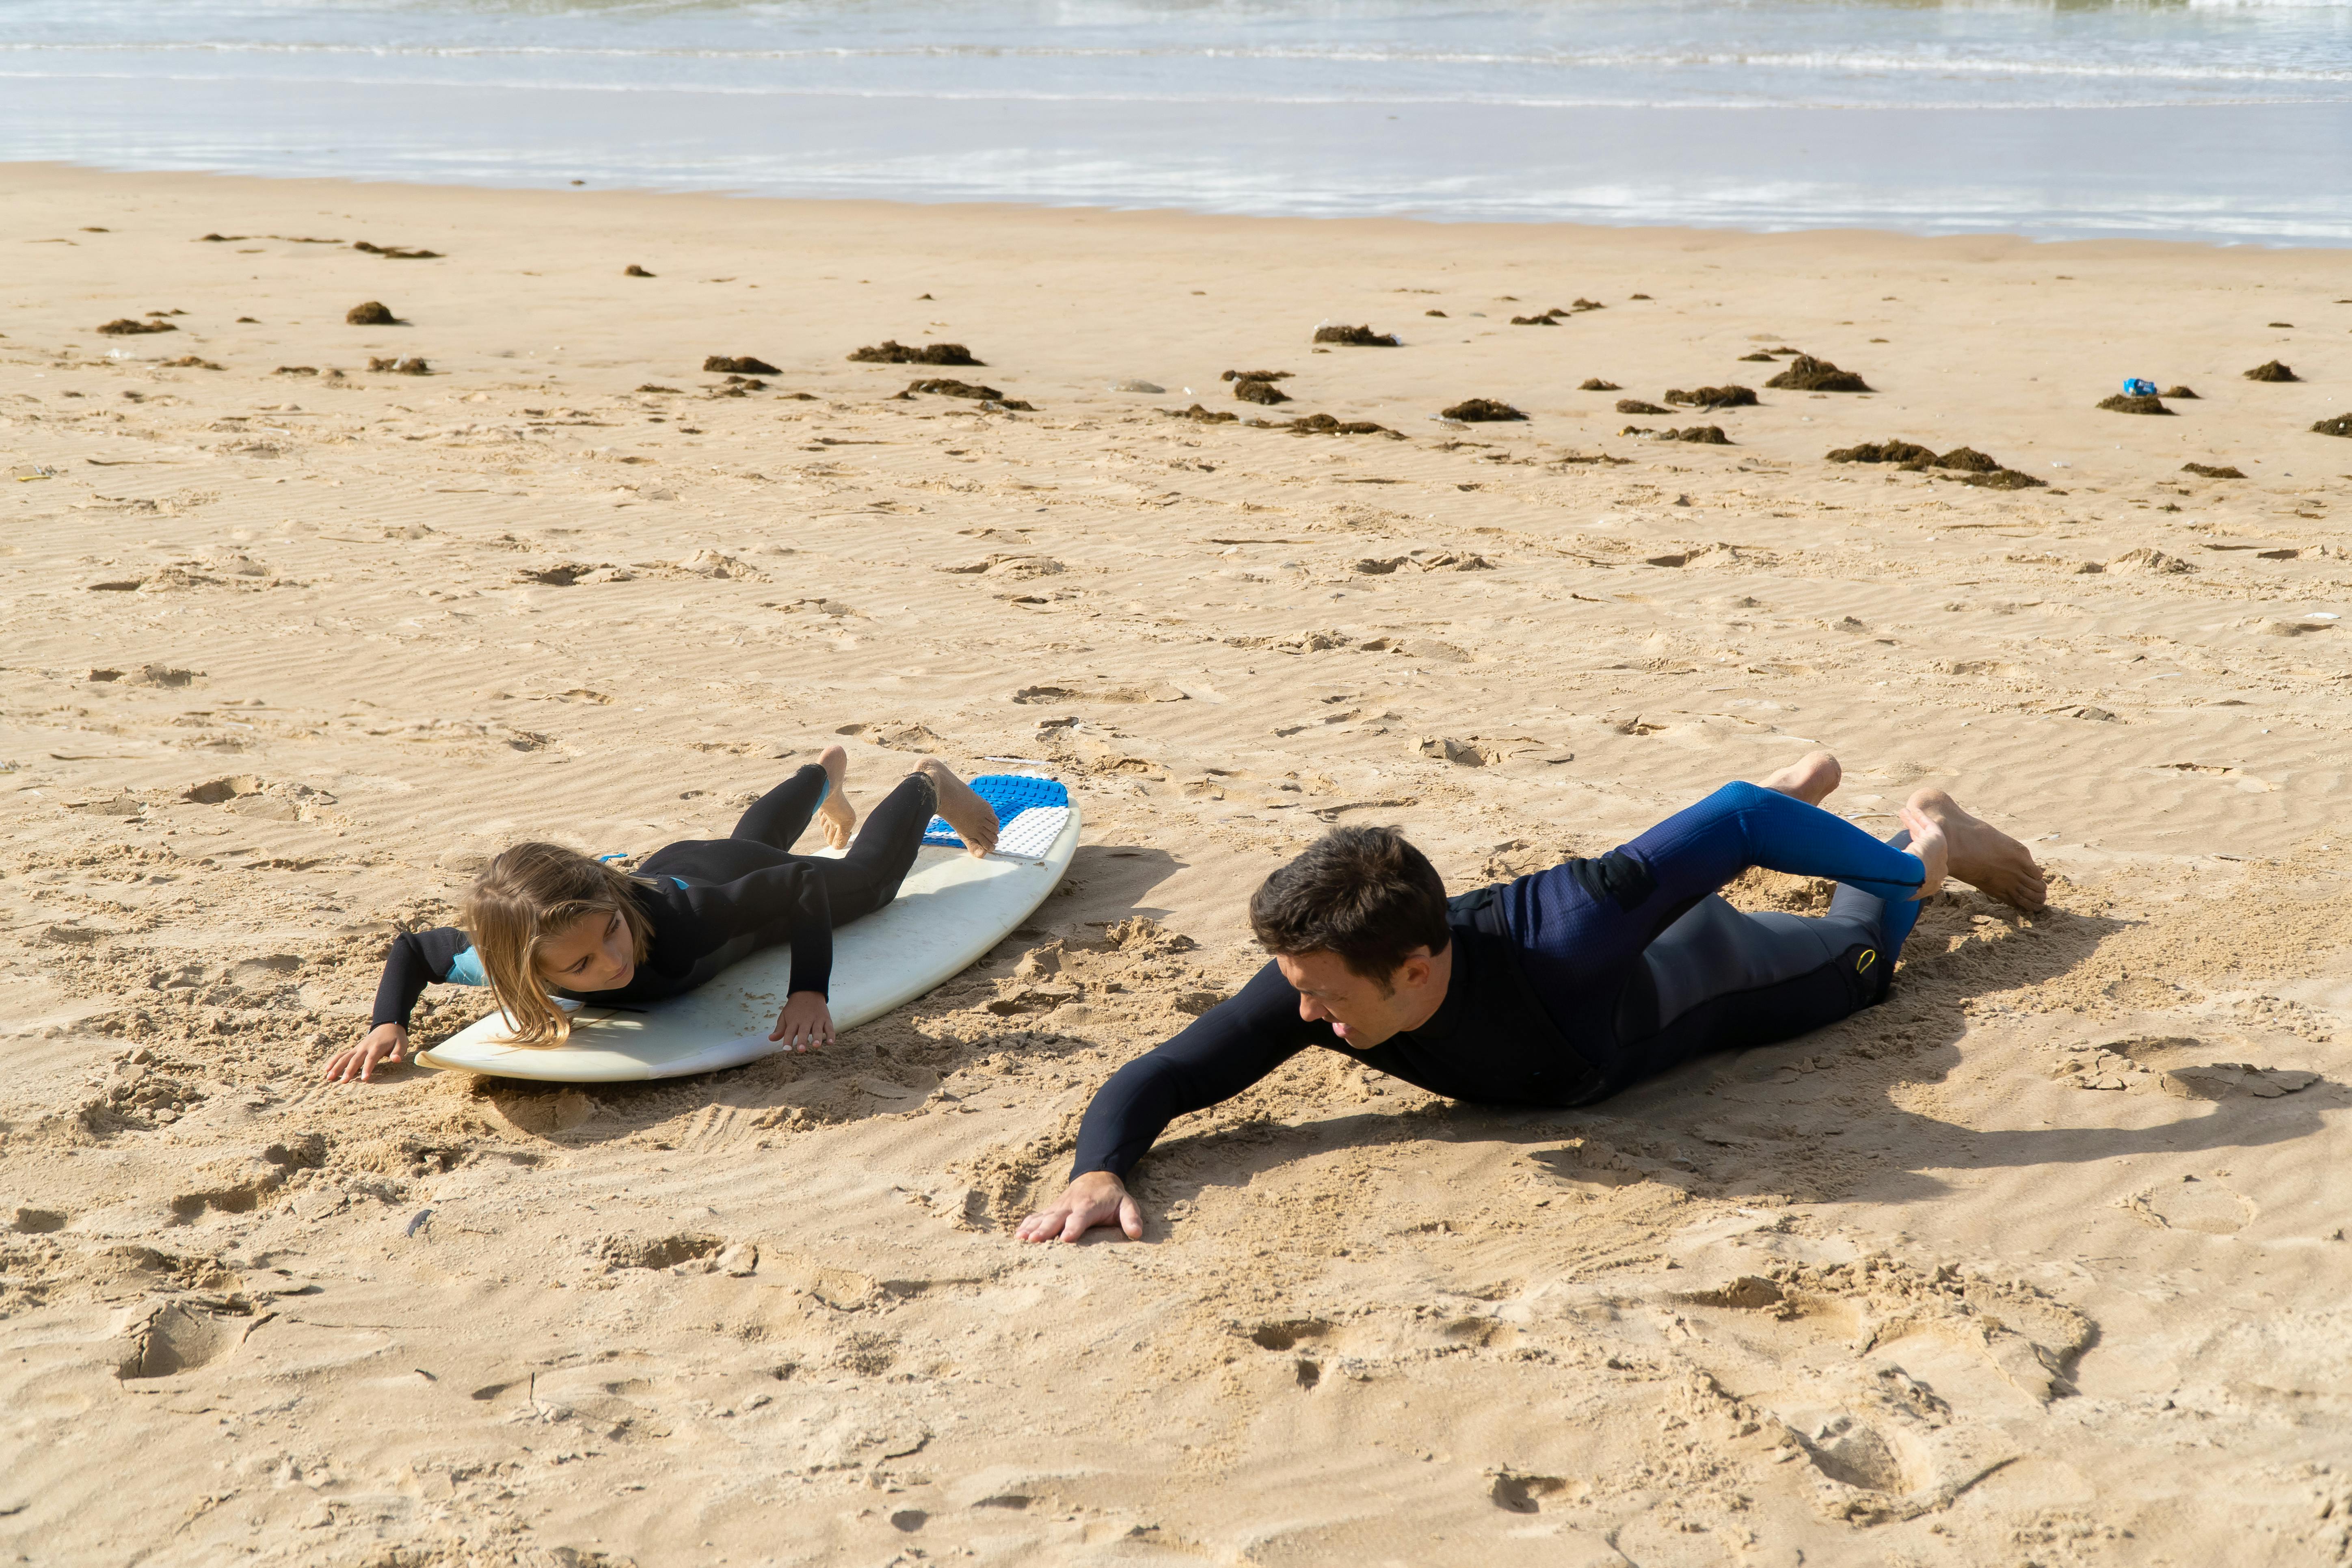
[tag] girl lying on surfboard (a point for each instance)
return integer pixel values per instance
(545, 919)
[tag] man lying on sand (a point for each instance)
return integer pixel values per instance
(545, 920)
(1560, 988)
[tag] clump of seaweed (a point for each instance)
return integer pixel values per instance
(1704, 434)
(1909, 454)
(1806, 374)
(2132, 403)
(1713, 397)
(944, 388)
(2272, 370)
(1972, 467)
(1325, 424)
(1358, 337)
(890, 351)
(1481, 410)
(1968, 459)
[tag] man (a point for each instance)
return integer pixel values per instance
(1560, 988)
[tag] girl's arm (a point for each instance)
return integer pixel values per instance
(784, 903)
(417, 958)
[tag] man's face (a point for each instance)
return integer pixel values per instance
(1361, 1013)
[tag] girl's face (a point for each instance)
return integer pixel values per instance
(594, 952)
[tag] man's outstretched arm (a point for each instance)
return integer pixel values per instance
(1226, 1049)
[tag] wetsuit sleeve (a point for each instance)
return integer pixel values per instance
(1226, 1049)
(417, 960)
(779, 903)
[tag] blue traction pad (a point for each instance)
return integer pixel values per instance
(1012, 795)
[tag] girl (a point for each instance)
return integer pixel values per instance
(545, 919)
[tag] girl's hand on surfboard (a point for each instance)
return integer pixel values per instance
(386, 1042)
(1096, 1198)
(806, 1023)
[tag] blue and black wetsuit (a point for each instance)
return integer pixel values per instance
(713, 902)
(1575, 982)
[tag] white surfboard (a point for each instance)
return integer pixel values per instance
(951, 909)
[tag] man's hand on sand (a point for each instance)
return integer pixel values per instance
(384, 1044)
(1096, 1198)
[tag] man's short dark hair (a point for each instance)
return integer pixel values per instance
(1362, 893)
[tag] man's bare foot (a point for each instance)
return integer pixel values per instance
(1982, 855)
(973, 819)
(836, 816)
(1926, 841)
(1810, 779)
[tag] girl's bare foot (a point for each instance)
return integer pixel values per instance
(836, 816)
(1982, 855)
(973, 818)
(1810, 779)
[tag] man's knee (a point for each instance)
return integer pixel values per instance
(1740, 794)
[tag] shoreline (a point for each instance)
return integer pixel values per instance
(2104, 247)
(1748, 170)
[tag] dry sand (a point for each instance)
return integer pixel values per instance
(1991, 1274)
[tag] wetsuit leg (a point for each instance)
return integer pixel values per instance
(1581, 926)
(1717, 979)
(867, 877)
(780, 817)
(747, 894)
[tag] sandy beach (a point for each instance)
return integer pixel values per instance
(2044, 1261)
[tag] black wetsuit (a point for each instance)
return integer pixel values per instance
(1572, 983)
(712, 901)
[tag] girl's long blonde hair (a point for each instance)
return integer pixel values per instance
(531, 893)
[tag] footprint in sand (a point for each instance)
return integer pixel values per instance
(546, 1116)
(177, 1337)
(2189, 1204)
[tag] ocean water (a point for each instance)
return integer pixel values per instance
(2227, 122)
